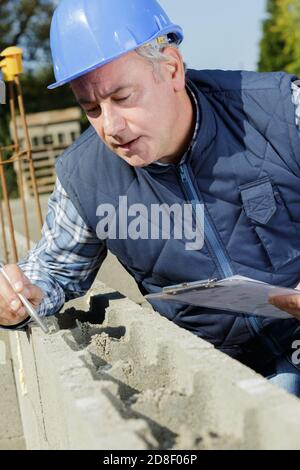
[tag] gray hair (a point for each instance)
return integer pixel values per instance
(153, 52)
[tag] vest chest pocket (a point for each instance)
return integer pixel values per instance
(267, 213)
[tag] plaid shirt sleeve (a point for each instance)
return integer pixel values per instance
(64, 263)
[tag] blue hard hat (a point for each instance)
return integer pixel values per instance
(86, 34)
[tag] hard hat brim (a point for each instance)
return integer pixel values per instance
(175, 29)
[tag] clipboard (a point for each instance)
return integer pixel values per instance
(235, 295)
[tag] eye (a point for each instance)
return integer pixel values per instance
(95, 111)
(124, 98)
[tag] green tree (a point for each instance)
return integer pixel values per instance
(280, 44)
(26, 23)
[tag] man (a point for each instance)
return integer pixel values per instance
(228, 141)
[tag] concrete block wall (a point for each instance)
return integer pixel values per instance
(116, 375)
(11, 432)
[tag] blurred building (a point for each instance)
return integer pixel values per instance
(51, 132)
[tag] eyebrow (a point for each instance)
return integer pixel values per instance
(116, 90)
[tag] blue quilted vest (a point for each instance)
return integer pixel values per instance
(245, 169)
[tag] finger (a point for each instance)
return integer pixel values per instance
(8, 316)
(9, 321)
(7, 310)
(32, 291)
(15, 309)
(10, 304)
(284, 302)
(17, 277)
(23, 285)
(4, 321)
(9, 299)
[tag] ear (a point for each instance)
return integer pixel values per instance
(175, 68)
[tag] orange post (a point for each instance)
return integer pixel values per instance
(28, 149)
(19, 170)
(8, 210)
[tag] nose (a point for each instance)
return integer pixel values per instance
(113, 122)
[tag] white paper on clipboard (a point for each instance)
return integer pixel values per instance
(235, 294)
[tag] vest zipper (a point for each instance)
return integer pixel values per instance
(210, 235)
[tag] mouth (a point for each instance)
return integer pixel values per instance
(129, 145)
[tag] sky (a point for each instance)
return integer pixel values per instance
(219, 34)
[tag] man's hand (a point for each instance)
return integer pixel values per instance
(12, 311)
(288, 303)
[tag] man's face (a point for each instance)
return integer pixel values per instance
(133, 109)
